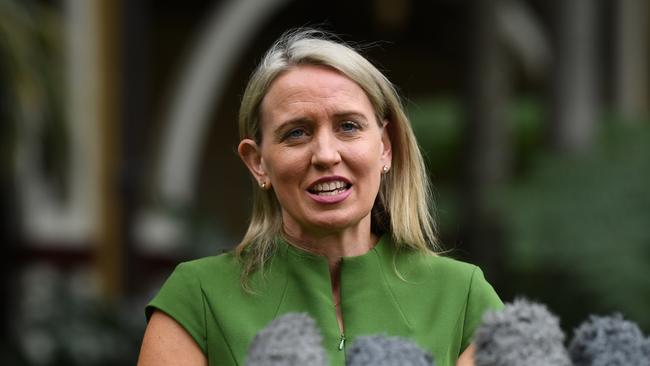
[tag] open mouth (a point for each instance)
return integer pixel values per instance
(330, 188)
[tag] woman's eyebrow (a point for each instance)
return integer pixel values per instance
(356, 116)
(279, 131)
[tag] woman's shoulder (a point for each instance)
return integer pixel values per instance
(427, 281)
(222, 266)
(429, 266)
(226, 258)
(454, 265)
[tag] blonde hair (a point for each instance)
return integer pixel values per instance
(402, 207)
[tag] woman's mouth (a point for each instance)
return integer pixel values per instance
(330, 191)
(330, 188)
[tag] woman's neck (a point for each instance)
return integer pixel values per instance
(334, 246)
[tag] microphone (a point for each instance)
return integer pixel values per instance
(380, 350)
(609, 340)
(290, 340)
(523, 333)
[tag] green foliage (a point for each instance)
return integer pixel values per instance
(439, 127)
(577, 228)
(437, 123)
(585, 219)
(31, 67)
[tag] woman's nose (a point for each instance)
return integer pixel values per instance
(325, 151)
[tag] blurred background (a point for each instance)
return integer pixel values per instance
(118, 149)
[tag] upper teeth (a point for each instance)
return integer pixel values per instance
(329, 186)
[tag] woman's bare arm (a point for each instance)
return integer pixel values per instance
(467, 357)
(167, 343)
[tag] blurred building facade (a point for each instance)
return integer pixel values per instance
(120, 132)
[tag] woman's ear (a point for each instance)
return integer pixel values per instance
(250, 152)
(387, 152)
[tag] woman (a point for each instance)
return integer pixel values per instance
(340, 227)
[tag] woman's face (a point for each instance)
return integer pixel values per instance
(322, 151)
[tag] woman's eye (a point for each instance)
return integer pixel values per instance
(349, 126)
(295, 133)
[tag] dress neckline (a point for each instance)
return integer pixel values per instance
(302, 253)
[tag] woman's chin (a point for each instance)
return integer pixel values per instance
(337, 224)
(316, 221)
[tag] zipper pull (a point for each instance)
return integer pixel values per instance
(342, 342)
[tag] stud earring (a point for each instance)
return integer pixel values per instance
(263, 185)
(385, 169)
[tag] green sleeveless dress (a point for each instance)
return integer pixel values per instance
(435, 301)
